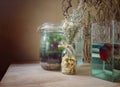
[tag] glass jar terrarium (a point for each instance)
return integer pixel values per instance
(50, 53)
(105, 61)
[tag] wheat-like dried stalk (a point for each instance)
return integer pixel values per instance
(88, 12)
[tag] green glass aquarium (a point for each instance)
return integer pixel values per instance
(105, 50)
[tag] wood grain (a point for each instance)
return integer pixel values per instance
(32, 75)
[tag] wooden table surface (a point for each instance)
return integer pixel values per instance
(32, 75)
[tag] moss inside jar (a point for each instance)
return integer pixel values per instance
(50, 54)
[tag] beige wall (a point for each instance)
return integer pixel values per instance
(19, 20)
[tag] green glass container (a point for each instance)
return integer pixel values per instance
(105, 50)
(77, 44)
(50, 53)
(78, 47)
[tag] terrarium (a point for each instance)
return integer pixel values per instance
(50, 54)
(105, 48)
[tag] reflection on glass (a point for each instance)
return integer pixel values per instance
(105, 48)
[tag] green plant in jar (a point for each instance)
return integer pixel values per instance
(50, 53)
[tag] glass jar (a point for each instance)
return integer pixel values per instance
(50, 54)
(78, 46)
(105, 61)
(69, 63)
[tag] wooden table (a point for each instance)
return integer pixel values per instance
(32, 75)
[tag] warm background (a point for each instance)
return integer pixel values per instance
(19, 19)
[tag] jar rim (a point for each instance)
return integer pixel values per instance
(51, 26)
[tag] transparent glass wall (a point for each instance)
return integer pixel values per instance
(78, 46)
(105, 48)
